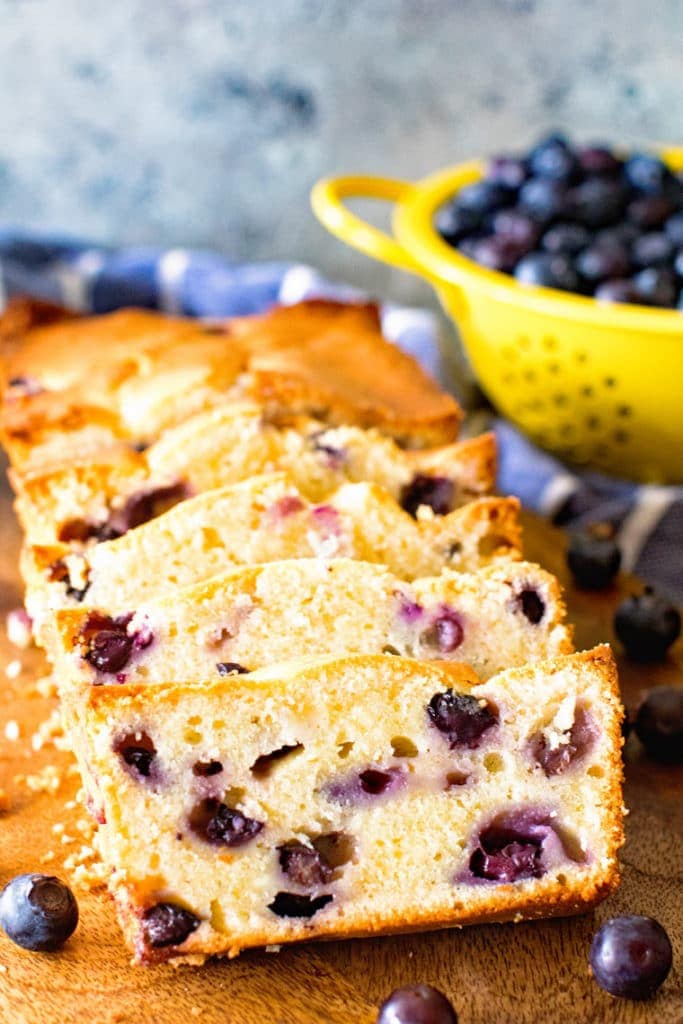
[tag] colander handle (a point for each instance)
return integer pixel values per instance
(327, 200)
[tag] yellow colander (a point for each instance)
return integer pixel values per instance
(598, 384)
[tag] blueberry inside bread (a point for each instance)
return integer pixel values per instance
(501, 616)
(298, 801)
(264, 519)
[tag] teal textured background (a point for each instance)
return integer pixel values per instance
(204, 123)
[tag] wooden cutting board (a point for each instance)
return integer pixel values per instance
(533, 973)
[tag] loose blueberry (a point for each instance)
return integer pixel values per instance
(659, 724)
(416, 1004)
(38, 912)
(483, 197)
(647, 626)
(230, 668)
(508, 171)
(463, 719)
(453, 223)
(623, 233)
(532, 605)
(598, 160)
(652, 250)
(599, 262)
(553, 159)
(631, 956)
(498, 252)
(566, 239)
(555, 760)
(649, 212)
(647, 173)
(516, 225)
(593, 560)
(292, 904)
(446, 632)
(674, 230)
(617, 291)
(222, 825)
(547, 271)
(304, 865)
(438, 492)
(656, 286)
(544, 200)
(137, 751)
(597, 202)
(167, 924)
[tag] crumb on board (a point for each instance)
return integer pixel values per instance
(47, 780)
(274, 948)
(13, 669)
(47, 857)
(18, 626)
(12, 731)
(3, 968)
(46, 686)
(50, 732)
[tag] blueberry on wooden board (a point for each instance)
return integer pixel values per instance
(659, 724)
(647, 625)
(631, 956)
(38, 912)
(417, 1004)
(593, 560)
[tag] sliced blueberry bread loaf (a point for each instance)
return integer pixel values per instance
(246, 619)
(261, 520)
(103, 498)
(355, 796)
(138, 372)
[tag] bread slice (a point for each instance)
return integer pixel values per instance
(138, 372)
(329, 360)
(505, 615)
(92, 500)
(355, 796)
(261, 520)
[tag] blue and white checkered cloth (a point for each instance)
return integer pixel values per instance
(648, 520)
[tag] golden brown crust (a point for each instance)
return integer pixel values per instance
(322, 358)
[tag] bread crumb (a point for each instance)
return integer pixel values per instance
(3, 968)
(49, 732)
(274, 948)
(18, 626)
(46, 687)
(47, 857)
(195, 1012)
(12, 730)
(57, 828)
(46, 781)
(85, 868)
(13, 669)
